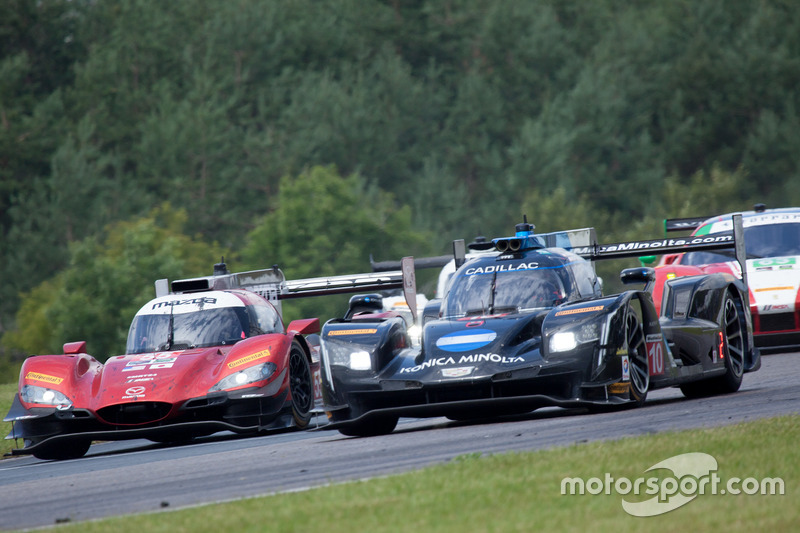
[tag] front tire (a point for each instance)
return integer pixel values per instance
(300, 386)
(637, 358)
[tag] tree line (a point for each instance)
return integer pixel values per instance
(141, 139)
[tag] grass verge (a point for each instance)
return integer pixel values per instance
(522, 492)
(7, 392)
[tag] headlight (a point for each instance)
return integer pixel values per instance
(360, 360)
(351, 355)
(42, 395)
(249, 375)
(564, 341)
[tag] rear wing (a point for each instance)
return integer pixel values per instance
(326, 286)
(683, 224)
(718, 241)
(437, 261)
(272, 284)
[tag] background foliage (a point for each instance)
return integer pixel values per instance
(424, 121)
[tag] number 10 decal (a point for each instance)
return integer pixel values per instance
(655, 355)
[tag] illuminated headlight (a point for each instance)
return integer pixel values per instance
(42, 395)
(249, 375)
(351, 355)
(360, 360)
(564, 341)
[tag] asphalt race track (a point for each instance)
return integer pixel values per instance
(138, 476)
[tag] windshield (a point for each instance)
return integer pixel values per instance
(200, 329)
(504, 292)
(773, 240)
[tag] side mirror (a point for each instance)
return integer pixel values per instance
(647, 260)
(431, 311)
(637, 275)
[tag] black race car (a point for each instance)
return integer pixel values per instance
(529, 327)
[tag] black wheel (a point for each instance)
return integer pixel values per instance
(371, 428)
(62, 450)
(733, 352)
(637, 358)
(300, 385)
(734, 347)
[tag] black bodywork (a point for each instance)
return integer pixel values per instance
(515, 353)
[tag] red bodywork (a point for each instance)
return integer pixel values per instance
(166, 395)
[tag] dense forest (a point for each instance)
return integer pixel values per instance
(142, 139)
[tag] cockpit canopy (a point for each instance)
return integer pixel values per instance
(215, 318)
(503, 284)
(774, 234)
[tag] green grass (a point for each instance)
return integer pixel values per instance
(7, 391)
(521, 492)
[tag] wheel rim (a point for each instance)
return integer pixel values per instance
(734, 341)
(637, 352)
(300, 381)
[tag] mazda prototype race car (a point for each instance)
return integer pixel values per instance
(212, 355)
(772, 239)
(528, 327)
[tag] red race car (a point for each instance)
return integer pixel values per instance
(212, 355)
(772, 241)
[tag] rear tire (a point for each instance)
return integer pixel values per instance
(733, 351)
(300, 386)
(734, 347)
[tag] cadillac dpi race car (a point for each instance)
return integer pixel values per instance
(772, 269)
(529, 327)
(212, 355)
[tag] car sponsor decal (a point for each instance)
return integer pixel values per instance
(133, 393)
(173, 304)
(148, 362)
(580, 310)
(766, 219)
(317, 378)
(472, 358)
(203, 300)
(475, 319)
(249, 358)
(770, 307)
(466, 341)
(53, 380)
(770, 289)
(459, 372)
(141, 377)
(775, 262)
(655, 354)
(505, 267)
(619, 388)
(363, 331)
